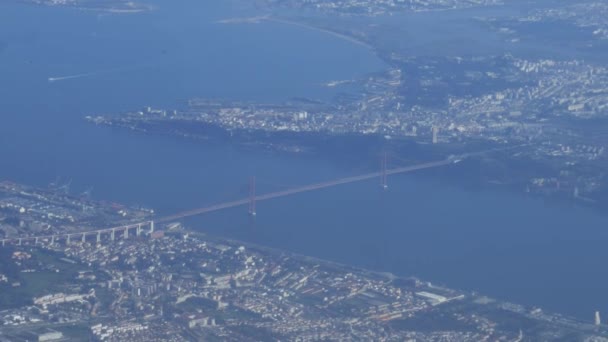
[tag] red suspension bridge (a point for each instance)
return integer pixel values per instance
(253, 198)
(137, 228)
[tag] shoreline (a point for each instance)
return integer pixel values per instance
(323, 30)
(471, 295)
(268, 18)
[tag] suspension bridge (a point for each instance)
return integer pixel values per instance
(147, 227)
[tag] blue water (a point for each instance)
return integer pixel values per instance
(504, 245)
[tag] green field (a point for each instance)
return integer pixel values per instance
(33, 284)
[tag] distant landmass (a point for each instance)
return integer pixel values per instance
(113, 6)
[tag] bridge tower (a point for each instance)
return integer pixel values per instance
(435, 131)
(151, 227)
(383, 171)
(252, 211)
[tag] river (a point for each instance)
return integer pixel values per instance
(501, 244)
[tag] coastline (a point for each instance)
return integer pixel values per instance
(468, 295)
(327, 31)
(268, 18)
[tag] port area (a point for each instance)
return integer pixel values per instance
(30, 211)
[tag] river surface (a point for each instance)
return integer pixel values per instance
(504, 245)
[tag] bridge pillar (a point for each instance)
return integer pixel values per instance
(35, 241)
(138, 231)
(112, 234)
(3, 243)
(84, 237)
(126, 233)
(19, 242)
(252, 198)
(383, 173)
(151, 227)
(98, 237)
(53, 240)
(69, 239)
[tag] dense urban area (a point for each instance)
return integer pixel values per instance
(173, 285)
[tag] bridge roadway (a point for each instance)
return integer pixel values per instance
(82, 235)
(221, 206)
(305, 188)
